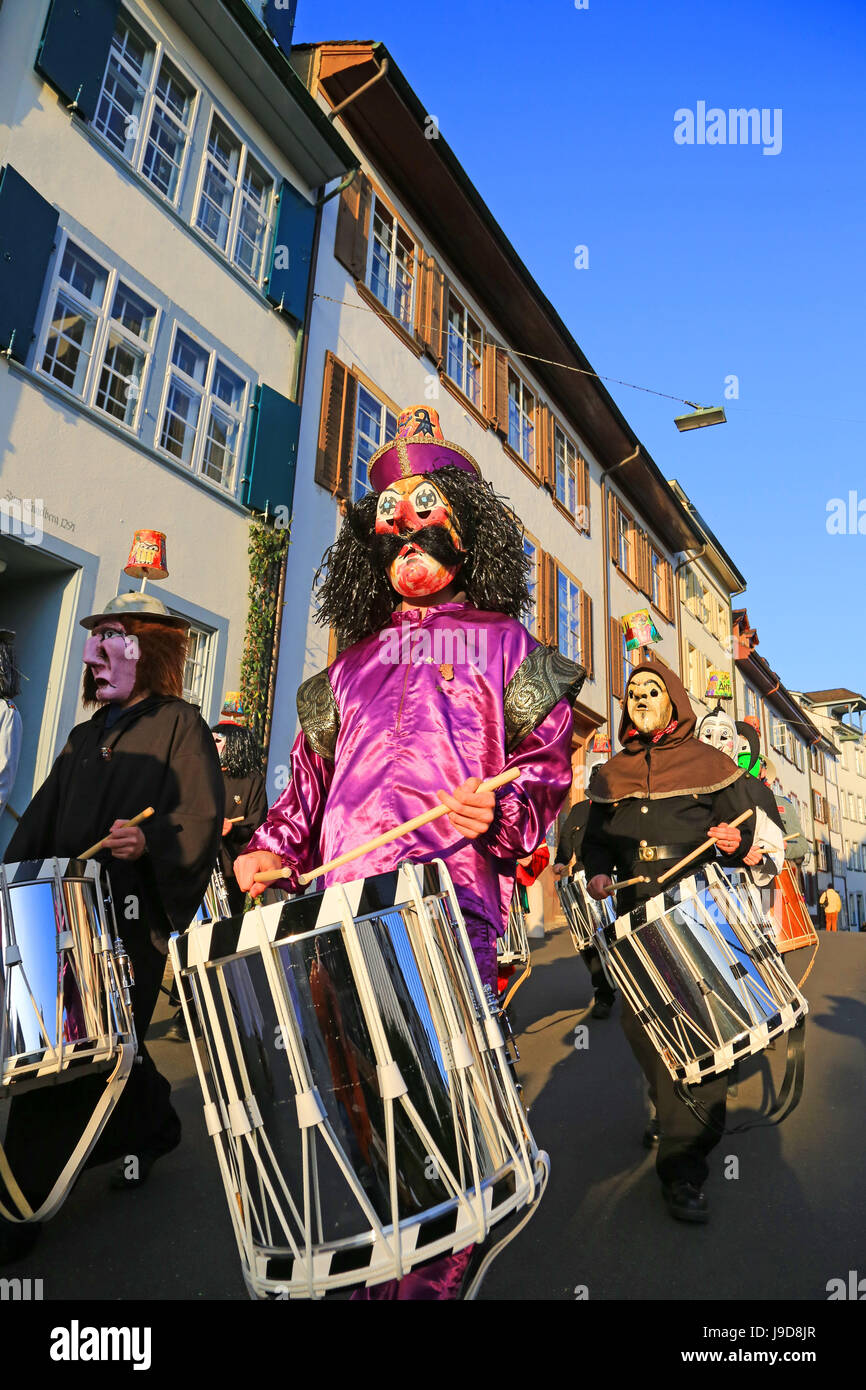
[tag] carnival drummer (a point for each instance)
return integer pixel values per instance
(652, 804)
(143, 747)
(430, 551)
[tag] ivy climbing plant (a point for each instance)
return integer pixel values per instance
(267, 551)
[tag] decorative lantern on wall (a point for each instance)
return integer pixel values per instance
(718, 685)
(147, 557)
(639, 629)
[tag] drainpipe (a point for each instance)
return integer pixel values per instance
(338, 110)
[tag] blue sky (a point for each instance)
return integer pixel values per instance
(705, 261)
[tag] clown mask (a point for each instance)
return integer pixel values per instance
(112, 655)
(414, 510)
(649, 705)
(719, 731)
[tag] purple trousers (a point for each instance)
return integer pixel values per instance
(440, 1279)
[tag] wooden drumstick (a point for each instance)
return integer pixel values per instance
(273, 875)
(701, 849)
(100, 844)
(627, 883)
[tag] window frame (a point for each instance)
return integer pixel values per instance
(468, 317)
(144, 119)
(247, 151)
(194, 467)
(562, 573)
(102, 329)
(523, 414)
(398, 224)
(534, 588)
(386, 407)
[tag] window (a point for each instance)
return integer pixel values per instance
(822, 856)
(694, 594)
(196, 668)
(465, 347)
(566, 471)
(861, 809)
(859, 761)
(630, 659)
(657, 573)
(235, 201)
(145, 108)
(697, 672)
(568, 616)
(391, 272)
(817, 760)
(374, 424)
(723, 631)
(203, 413)
(530, 615)
(781, 737)
(834, 818)
(818, 807)
(521, 419)
(751, 702)
(99, 338)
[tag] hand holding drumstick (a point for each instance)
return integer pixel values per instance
(470, 809)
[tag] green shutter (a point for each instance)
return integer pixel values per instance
(73, 54)
(292, 253)
(28, 226)
(269, 478)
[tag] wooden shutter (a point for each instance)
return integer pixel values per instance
(73, 52)
(291, 253)
(586, 632)
(613, 527)
(666, 590)
(336, 428)
(432, 318)
(644, 564)
(545, 466)
(616, 688)
(496, 387)
(583, 494)
(548, 627)
(28, 225)
(353, 226)
(269, 473)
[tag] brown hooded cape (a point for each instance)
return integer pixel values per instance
(677, 765)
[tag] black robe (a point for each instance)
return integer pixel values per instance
(247, 797)
(162, 754)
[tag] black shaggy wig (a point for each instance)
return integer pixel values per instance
(356, 596)
(241, 756)
(9, 678)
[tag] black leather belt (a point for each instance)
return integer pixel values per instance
(648, 853)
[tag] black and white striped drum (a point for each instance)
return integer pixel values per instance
(584, 915)
(356, 1083)
(64, 995)
(704, 981)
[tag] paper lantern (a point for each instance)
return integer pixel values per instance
(601, 744)
(639, 629)
(147, 556)
(718, 685)
(232, 711)
(754, 720)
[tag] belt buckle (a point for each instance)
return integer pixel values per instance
(646, 853)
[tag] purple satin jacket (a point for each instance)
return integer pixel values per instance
(421, 709)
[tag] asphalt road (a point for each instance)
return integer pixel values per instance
(790, 1221)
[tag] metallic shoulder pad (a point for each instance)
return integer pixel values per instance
(319, 716)
(539, 683)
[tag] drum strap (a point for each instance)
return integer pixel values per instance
(786, 1102)
(95, 1125)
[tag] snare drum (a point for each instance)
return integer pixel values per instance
(64, 996)
(356, 1084)
(791, 923)
(585, 915)
(705, 983)
(513, 956)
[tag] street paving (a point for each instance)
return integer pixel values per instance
(790, 1221)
